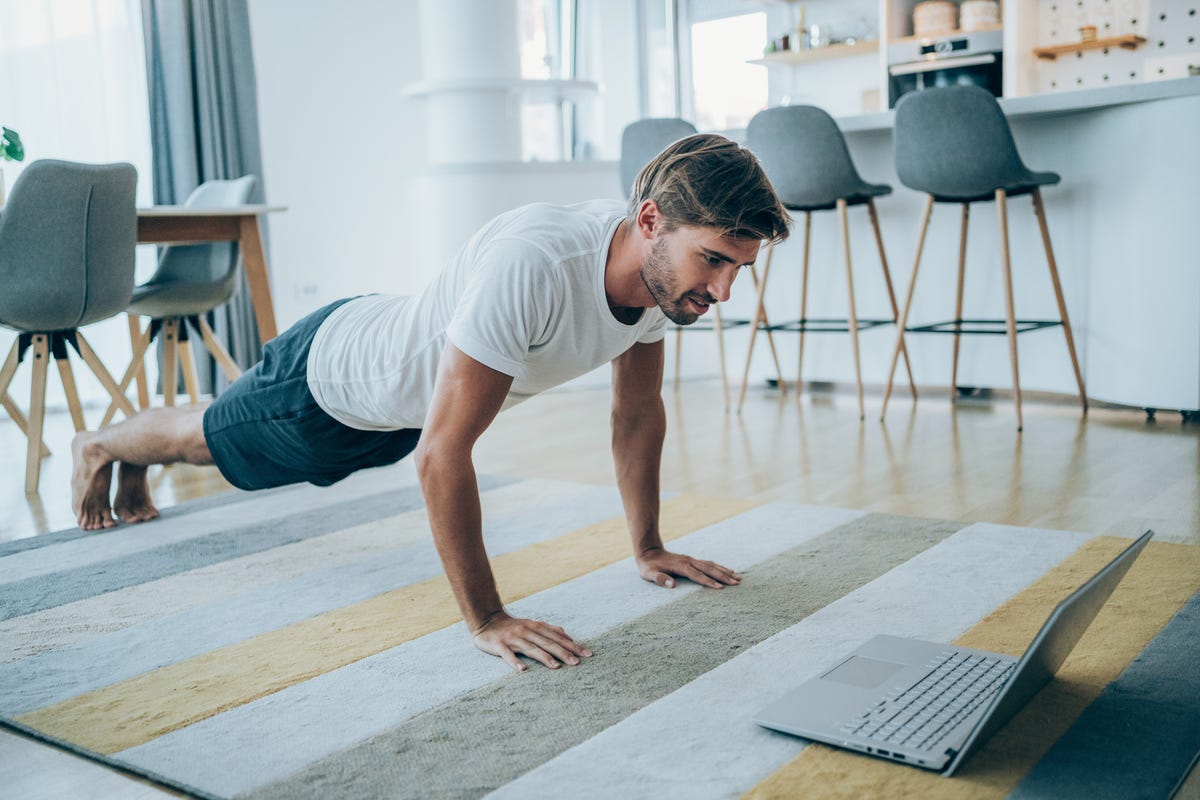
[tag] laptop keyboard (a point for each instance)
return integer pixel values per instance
(924, 714)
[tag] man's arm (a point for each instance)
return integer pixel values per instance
(639, 425)
(466, 398)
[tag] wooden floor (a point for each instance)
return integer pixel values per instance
(1113, 473)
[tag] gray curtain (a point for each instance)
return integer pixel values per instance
(204, 126)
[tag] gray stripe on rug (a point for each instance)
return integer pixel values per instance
(41, 592)
(478, 742)
(1140, 736)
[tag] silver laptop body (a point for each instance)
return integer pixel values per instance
(930, 705)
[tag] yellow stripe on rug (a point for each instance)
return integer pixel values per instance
(1163, 578)
(139, 709)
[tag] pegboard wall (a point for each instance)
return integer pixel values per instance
(1171, 29)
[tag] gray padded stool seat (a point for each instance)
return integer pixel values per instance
(641, 142)
(805, 156)
(67, 238)
(190, 281)
(955, 145)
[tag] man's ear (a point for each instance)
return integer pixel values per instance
(649, 220)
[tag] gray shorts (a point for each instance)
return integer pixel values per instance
(267, 430)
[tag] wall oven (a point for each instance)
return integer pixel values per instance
(974, 58)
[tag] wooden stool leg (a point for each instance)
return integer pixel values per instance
(958, 300)
(1010, 314)
(759, 318)
(719, 329)
(40, 352)
(170, 374)
(68, 381)
(143, 388)
(678, 353)
(803, 300)
(1040, 210)
(887, 281)
(844, 222)
(230, 367)
(912, 285)
(136, 369)
(102, 374)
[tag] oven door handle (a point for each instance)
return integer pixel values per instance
(942, 63)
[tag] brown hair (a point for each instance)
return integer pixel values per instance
(708, 181)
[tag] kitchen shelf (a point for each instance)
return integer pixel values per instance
(1129, 42)
(791, 57)
(950, 34)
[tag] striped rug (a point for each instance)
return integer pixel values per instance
(303, 643)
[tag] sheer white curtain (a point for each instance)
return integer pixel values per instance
(73, 84)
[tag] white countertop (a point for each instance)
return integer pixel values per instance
(1054, 102)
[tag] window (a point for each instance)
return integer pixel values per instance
(727, 91)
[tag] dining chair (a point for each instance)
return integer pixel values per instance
(805, 156)
(955, 145)
(67, 238)
(190, 281)
(641, 141)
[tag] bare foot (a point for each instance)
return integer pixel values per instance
(91, 478)
(133, 503)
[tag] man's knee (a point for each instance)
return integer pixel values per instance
(195, 445)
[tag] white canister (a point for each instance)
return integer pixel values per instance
(976, 14)
(934, 16)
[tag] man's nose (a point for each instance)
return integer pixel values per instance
(721, 284)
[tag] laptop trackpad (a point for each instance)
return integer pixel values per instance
(865, 672)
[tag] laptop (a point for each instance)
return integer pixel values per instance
(930, 705)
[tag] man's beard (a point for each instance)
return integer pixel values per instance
(656, 273)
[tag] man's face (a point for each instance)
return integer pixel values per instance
(689, 269)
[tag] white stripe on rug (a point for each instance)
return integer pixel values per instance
(702, 736)
(128, 539)
(51, 677)
(57, 628)
(339, 709)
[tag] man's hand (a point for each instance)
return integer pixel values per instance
(662, 566)
(505, 636)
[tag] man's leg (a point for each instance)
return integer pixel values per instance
(154, 436)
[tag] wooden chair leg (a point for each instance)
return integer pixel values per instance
(135, 336)
(188, 364)
(40, 354)
(7, 371)
(678, 353)
(68, 382)
(136, 369)
(233, 371)
(759, 318)
(803, 300)
(958, 300)
(719, 330)
(102, 374)
(1010, 314)
(170, 373)
(844, 222)
(912, 285)
(1040, 210)
(887, 281)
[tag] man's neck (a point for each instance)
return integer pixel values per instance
(623, 286)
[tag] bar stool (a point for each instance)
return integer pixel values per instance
(955, 144)
(805, 156)
(641, 141)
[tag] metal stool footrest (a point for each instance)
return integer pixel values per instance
(982, 326)
(708, 325)
(827, 325)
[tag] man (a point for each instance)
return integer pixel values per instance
(540, 295)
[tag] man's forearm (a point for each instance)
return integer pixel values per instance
(452, 499)
(637, 453)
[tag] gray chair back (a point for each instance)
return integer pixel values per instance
(641, 141)
(805, 157)
(212, 262)
(955, 144)
(67, 237)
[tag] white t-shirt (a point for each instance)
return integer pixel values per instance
(525, 296)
